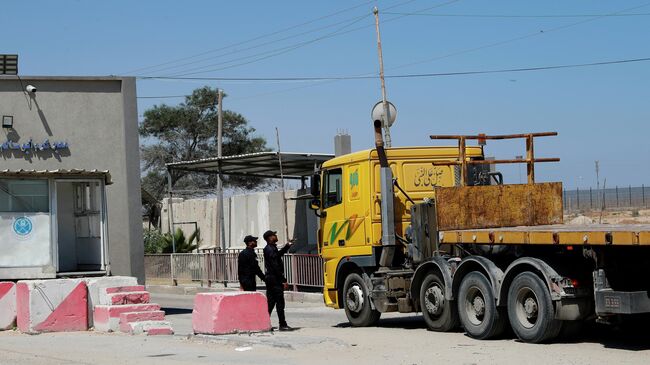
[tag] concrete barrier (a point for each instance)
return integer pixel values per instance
(149, 327)
(7, 305)
(52, 305)
(97, 294)
(128, 319)
(135, 297)
(223, 313)
(106, 318)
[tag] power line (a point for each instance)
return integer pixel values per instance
(529, 35)
(286, 49)
(252, 39)
(265, 44)
(255, 46)
(400, 76)
(368, 76)
(520, 16)
(267, 54)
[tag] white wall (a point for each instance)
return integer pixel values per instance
(246, 214)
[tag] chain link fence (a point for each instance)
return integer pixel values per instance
(301, 270)
(629, 197)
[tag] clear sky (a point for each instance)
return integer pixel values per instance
(601, 113)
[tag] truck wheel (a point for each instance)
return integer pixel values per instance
(357, 303)
(530, 309)
(439, 313)
(477, 308)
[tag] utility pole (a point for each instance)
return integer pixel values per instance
(221, 230)
(383, 83)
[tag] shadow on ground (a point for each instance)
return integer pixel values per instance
(172, 311)
(631, 336)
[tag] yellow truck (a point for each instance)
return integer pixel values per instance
(435, 230)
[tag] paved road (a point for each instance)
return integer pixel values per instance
(323, 338)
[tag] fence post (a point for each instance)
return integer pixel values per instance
(617, 195)
(643, 193)
(294, 276)
(629, 190)
(173, 269)
(591, 200)
(578, 197)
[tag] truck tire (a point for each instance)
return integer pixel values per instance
(356, 302)
(440, 314)
(530, 309)
(477, 308)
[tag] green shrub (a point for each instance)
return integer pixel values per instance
(154, 241)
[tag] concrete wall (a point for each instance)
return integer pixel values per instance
(98, 118)
(246, 214)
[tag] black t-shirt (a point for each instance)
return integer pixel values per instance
(273, 264)
(247, 266)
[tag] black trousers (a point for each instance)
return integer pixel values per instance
(275, 298)
(248, 285)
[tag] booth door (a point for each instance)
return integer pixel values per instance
(80, 216)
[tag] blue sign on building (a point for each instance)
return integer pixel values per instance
(30, 146)
(23, 226)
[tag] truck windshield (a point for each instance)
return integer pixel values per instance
(332, 194)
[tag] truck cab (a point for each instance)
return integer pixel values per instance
(349, 206)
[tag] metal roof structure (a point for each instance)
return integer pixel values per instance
(59, 173)
(261, 164)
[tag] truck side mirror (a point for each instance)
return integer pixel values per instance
(315, 205)
(315, 186)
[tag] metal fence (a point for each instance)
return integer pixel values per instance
(629, 197)
(209, 267)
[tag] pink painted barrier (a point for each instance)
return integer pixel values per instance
(223, 313)
(7, 305)
(121, 298)
(52, 305)
(106, 318)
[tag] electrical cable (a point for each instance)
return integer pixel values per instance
(274, 41)
(253, 39)
(286, 49)
(519, 16)
(399, 76)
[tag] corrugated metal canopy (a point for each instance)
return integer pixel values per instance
(59, 173)
(262, 164)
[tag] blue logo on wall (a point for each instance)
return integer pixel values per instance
(23, 226)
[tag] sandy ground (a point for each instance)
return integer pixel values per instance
(636, 216)
(323, 337)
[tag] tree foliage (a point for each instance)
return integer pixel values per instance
(188, 132)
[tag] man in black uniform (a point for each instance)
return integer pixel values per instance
(276, 282)
(247, 266)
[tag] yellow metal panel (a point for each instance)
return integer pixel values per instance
(625, 238)
(644, 238)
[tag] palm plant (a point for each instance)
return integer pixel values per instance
(182, 244)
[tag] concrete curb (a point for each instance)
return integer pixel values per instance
(289, 296)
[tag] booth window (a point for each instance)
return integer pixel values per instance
(24, 196)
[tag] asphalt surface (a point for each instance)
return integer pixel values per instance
(322, 337)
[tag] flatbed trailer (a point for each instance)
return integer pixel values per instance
(554, 234)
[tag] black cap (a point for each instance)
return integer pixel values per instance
(249, 238)
(268, 234)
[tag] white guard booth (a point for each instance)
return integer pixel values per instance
(53, 223)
